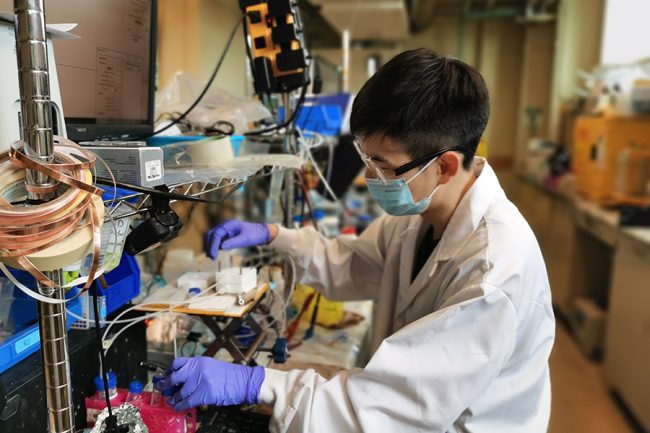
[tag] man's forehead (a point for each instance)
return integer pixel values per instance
(381, 146)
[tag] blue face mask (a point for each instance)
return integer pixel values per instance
(395, 196)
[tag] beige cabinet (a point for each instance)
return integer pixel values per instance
(552, 219)
(627, 358)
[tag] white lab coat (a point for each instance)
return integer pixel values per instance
(464, 348)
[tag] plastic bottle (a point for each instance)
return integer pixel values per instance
(156, 396)
(135, 396)
(97, 402)
(112, 386)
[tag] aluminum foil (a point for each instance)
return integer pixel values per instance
(126, 414)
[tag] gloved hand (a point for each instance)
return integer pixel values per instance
(235, 234)
(208, 381)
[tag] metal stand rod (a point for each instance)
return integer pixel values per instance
(289, 176)
(56, 360)
(289, 180)
(36, 115)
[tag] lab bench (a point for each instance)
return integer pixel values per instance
(588, 255)
(331, 350)
(224, 323)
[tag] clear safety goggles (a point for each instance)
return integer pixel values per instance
(384, 174)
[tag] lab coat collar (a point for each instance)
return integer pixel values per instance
(469, 212)
(463, 223)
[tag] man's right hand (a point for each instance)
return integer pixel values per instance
(238, 234)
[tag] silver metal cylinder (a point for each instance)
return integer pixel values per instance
(34, 82)
(36, 116)
(56, 360)
(289, 175)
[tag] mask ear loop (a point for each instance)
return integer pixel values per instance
(422, 169)
(418, 173)
(433, 192)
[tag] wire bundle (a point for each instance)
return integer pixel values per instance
(49, 236)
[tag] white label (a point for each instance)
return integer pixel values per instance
(15, 191)
(153, 170)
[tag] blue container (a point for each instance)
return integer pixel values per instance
(123, 284)
(159, 140)
(324, 114)
(236, 142)
(24, 312)
(323, 119)
(109, 192)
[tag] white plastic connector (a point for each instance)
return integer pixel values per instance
(236, 280)
(200, 280)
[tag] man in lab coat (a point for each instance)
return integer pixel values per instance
(463, 326)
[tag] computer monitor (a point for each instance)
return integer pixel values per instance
(107, 77)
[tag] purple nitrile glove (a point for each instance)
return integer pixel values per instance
(235, 234)
(208, 381)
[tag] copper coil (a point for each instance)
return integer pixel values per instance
(26, 230)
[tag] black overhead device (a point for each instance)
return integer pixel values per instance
(276, 45)
(162, 225)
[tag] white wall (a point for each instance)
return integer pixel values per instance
(625, 32)
(192, 35)
(537, 70)
(494, 47)
(217, 20)
(577, 47)
(500, 62)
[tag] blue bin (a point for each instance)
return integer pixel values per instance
(24, 312)
(123, 284)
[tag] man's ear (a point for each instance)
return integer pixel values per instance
(450, 164)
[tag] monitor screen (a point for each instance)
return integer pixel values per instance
(107, 77)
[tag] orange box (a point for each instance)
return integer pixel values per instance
(599, 143)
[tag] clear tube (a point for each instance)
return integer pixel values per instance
(318, 171)
(140, 319)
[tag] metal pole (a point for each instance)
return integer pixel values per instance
(289, 183)
(289, 177)
(34, 82)
(345, 69)
(36, 115)
(56, 359)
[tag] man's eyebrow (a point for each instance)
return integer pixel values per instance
(378, 158)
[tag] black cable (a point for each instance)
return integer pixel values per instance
(249, 53)
(100, 349)
(207, 85)
(214, 130)
(154, 366)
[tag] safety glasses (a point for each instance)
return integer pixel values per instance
(383, 173)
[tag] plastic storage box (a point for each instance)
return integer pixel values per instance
(159, 418)
(24, 336)
(123, 286)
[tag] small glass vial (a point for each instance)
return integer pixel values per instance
(112, 386)
(156, 395)
(98, 400)
(135, 396)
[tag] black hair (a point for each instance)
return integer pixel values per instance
(425, 102)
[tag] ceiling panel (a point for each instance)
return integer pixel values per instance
(367, 19)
